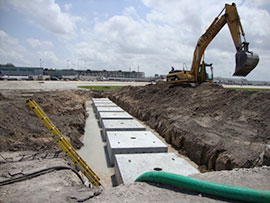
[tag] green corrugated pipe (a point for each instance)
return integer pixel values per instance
(221, 190)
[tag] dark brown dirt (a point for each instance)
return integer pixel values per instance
(20, 129)
(215, 127)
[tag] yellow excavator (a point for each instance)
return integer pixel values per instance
(246, 60)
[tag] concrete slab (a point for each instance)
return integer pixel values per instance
(113, 115)
(107, 104)
(130, 166)
(103, 104)
(101, 99)
(130, 142)
(108, 109)
(120, 125)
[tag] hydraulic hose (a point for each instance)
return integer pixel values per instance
(221, 190)
(38, 173)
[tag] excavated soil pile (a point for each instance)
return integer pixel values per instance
(20, 129)
(215, 127)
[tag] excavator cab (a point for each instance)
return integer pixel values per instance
(245, 60)
(205, 72)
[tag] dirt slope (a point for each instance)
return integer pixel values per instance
(20, 129)
(215, 127)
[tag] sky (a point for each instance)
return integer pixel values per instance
(137, 35)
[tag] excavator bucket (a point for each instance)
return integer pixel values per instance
(246, 61)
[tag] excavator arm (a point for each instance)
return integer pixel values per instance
(246, 61)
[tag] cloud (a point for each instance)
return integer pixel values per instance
(124, 42)
(5, 39)
(49, 59)
(131, 11)
(168, 36)
(67, 7)
(35, 43)
(11, 50)
(47, 14)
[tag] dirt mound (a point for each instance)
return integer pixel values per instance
(20, 129)
(215, 127)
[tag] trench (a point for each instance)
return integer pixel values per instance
(93, 150)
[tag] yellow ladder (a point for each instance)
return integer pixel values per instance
(64, 144)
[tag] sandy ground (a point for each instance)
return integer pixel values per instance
(65, 186)
(58, 186)
(216, 128)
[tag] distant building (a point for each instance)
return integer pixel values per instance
(59, 73)
(68, 74)
(112, 74)
(90, 74)
(11, 70)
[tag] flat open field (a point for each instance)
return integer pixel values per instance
(61, 85)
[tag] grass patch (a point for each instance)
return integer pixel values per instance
(104, 88)
(247, 89)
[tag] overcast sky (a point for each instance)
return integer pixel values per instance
(126, 34)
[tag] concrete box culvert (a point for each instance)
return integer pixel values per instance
(130, 166)
(131, 142)
(107, 109)
(120, 125)
(113, 116)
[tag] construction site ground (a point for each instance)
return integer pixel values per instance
(215, 127)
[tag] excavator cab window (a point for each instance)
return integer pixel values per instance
(209, 72)
(200, 69)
